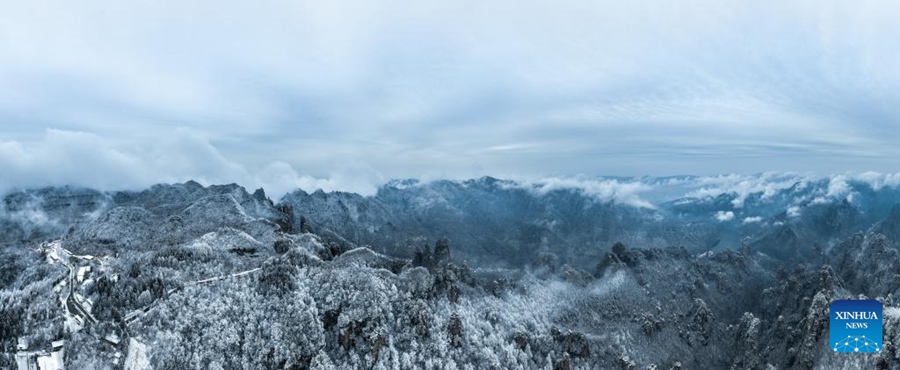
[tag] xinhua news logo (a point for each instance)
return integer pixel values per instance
(856, 326)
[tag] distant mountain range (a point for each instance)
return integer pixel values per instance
(504, 222)
(511, 222)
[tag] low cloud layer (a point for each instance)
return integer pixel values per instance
(623, 192)
(84, 159)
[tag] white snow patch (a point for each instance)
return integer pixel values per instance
(53, 361)
(137, 356)
(22, 361)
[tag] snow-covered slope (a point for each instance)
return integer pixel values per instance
(727, 272)
(785, 216)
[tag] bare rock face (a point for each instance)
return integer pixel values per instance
(545, 264)
(701, 324)
(456, 330)
(563, 364)
(610, 263)
(346, 338)
(282, 245)
(572, 343)
(285, 219)
(651, 324)
(816, 321)
(746, 343)
(442, 253)
(521, 340)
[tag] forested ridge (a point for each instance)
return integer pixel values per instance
(191, 277)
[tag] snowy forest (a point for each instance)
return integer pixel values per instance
(480, 274)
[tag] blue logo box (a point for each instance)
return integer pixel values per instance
(855, 326)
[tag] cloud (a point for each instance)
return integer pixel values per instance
(279, 178)
(752, 220)
(624, 192)
(839, 188)
(462, 88)
(766, 184)
(879, 180)
(814, 189)
(65, 157)
(723, 216)
(61, 157)
(86, 159)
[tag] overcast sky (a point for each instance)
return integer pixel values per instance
(348, 94)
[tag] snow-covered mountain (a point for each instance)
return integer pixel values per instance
(511, 222)
(609, 273)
